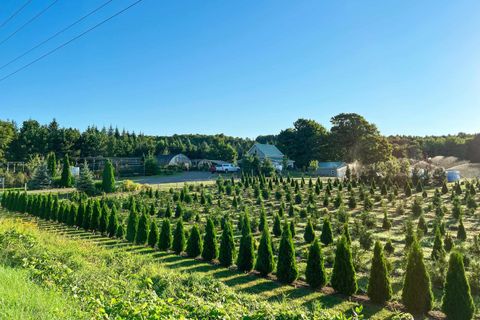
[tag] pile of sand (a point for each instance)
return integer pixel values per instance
(468, 170)
(447, 162)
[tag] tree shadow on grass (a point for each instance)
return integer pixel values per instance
(241, 279)
(182, 264)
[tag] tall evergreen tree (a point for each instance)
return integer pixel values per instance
(85, 181)
(102, 227)
(179, 238)
(457, 302)
(210, 249)
(417, 292)
(67, 178)
(108, 177)
(344, 279)
(227, 246)
(97, 211)
(245, 259)
(112, 222)
(143, 229)
(52, 164)
(194, 244)
(315, 270)
(153, 235)
(287, 271)
(379, 288)
(87, 216)
(265, 262)
(327, 236)
(132, 226)
(165, 240)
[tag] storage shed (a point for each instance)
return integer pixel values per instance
(332, 169)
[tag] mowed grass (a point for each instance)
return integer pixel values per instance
(21, 299)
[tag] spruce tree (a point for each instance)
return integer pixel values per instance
(165, 240)
(245, 259)
(227, 246)
(143, 229)
(327, 236)
(194, 244)
(457, 302)
(417, 293)
(153, 235)
(112, 222)
(41, 178)
(344, 279)
(210, 249)
(379, 288)
(309, 234)
(108, 177)
(265, 262)
(132, 226)
(179, 238)
(286, 263)
(67, 178)
(85, 181)
(315, 270)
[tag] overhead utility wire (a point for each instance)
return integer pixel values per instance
(28, 22)
(13, 15)
(70, 41)
(55, 35)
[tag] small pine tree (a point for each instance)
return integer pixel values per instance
(246, 257)
(438, 252)
(165, 239)
(379, 288)
(417, 292)
(143, 229)
(457, 302)
(344, 279)
(315, 270)
(265, 261)
(132, 226)
(85, 181)
(327, 236)
(153, 235)
(41, 178)
(287, 271)
(210, 249)
(194, 244)
(67, 178)
(227, 246)
(309, 234)
(108, 177)
(179, 238)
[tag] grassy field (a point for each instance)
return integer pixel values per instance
(298, 295)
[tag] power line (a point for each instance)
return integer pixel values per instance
(28, 22)
(70, 41)
(55, 35)
(4, 23)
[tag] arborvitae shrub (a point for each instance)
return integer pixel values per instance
(179, 238)
(461, 233)
(153, 235)
(265, 262)
(72, 215)
(309, 234)
(87, 217)
(132, 226)
(104, 219)
(327, 236)
(143, 229)
(344, 279)
(438, 252)
(286, 264)
(292, 228)
(457, 302)
(97, 211)
(108, 177)
(245, 259)
(379, 288)
(315, 270)
(389, 248)
(210, 249)
(165, 239)
(82, 208)
(277, 226)
(227, 246)
(66, 179)
(417, 293)
(194, 244)
(112, 222)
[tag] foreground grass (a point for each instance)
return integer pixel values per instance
(22, 299)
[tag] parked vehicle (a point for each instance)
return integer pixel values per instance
(225, 168)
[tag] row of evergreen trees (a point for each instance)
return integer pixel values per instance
(416, 294)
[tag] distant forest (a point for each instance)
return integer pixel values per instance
(350, 138)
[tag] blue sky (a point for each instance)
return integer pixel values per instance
(246, 68)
